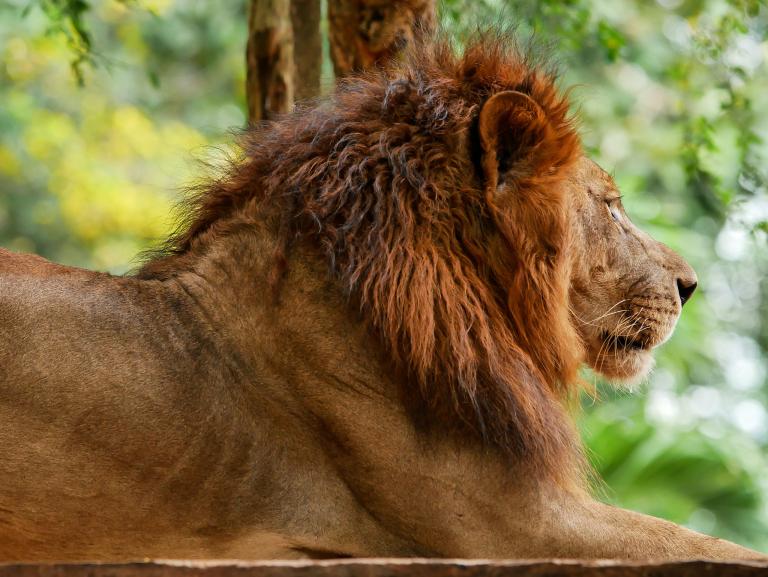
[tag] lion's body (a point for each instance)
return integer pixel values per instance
(236, 400)
(156, 442)
(121, 441)
(128, 442)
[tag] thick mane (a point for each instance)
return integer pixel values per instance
(470, 301)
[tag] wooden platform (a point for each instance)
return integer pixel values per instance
(391, 568)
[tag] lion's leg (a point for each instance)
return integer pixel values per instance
(453, 500)
(588, 529)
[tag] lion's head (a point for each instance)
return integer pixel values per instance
(452, 200)
(627, 290)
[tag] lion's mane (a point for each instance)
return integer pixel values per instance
(470, 299)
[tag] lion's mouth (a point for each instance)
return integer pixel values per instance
(624, 342)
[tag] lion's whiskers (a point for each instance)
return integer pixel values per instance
(608, 313)
(633, 323)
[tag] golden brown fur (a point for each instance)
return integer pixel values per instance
(361, 343)
(383, 178)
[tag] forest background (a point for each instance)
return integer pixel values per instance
(99, 133)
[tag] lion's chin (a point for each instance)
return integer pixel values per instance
(625, 368)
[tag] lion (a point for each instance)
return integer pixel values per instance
(363, 341)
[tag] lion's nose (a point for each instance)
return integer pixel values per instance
(685, 288)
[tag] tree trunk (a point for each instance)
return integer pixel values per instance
(284, 53)
(364, 33)
(308, 47)
(269, 59)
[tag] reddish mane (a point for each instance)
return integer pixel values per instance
(385, 177)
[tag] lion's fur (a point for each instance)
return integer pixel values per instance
(228, 402)
(467, 302)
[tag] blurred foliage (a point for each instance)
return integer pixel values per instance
(671, 98)
(88, 174)
(67, 18)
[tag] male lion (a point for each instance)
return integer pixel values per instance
(361, 343)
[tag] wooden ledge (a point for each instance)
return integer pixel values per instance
(391, 568)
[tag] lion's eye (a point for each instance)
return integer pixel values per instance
(613, 208)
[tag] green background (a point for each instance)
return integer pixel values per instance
(107, 107)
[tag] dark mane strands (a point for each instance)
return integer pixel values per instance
(471, 301)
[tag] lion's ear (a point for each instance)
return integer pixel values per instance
(513, 129)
